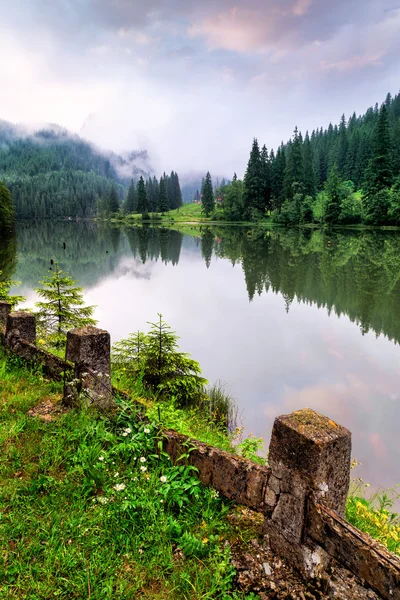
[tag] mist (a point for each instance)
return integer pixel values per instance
(192, 85)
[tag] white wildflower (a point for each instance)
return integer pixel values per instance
(143, 469)
(119, 487)
(142, 459)
(101, 458)
(147, 430)
(116, 474)
(102, 500)
(124, 434)
(127, 430)
(163, 479)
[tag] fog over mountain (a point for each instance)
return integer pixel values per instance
(191, 82)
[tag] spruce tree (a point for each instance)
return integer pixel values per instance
(142, 203)
(294, 174)
(254, 183)
(379, 174)
(333, 192)
(163, 206)
(278, 178)
(266, 176)
(7, 216)
(130, 202)
(62, 308)
(208, 200)
(343, 146)
(5, 286)
(113, 202)
(310, 185)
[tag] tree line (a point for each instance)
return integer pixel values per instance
(345, 174)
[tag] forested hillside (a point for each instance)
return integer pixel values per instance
(345, 174)
(52, 173)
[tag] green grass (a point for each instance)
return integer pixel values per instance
(80, 518)
(375, 515)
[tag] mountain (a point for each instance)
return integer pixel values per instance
(53, 173)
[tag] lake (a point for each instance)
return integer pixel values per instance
(287, 319)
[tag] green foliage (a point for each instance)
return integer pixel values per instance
(333, 191)
(62, 308)
(232, 200)
(102, 488)
(164, 370)
(7, 216)
(253, 449)
(207, 198)
(163, 205)
(254, 183)
(375, 515)
(5, 286)
(376, 207)
(130, 202)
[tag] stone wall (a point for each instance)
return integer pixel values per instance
(302, 494)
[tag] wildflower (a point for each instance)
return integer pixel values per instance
(163, 479)
(101, 458)
(143, 469)
(102, 500)
(140, 550)
(147, 430)
(119, 487)
(127, 430)
(214, 494)
(162, 501)
(124, 434)
(41, 342)
(116, 474)
(142, 459)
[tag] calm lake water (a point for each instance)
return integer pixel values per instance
(287, 319)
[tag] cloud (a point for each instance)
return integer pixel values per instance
(194, 82)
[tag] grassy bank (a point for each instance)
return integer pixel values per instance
(90, 508)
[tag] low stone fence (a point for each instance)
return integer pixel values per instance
(302, 493)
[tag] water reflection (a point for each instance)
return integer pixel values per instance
(287, 319)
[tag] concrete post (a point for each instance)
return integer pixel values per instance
(89, 349)
(309, 457)
(20, 325)
(5, 309)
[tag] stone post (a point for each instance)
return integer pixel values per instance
(89, 349)
(20, 325)
(309, 457)
(5, 309)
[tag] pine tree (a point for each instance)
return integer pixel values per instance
(278, 178)
(310, 185)
(254, 183)
(163, 206)
(294, 175)
(142, 203)
(207, 199)
(266, 177)
(5, 286)
(343, 146)
(7, 216)
(62, 308)
(379, 174)
(130, 202)
(113, 202)
(333, 196)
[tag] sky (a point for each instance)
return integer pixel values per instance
(194, 82)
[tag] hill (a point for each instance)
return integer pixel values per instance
(53, 173)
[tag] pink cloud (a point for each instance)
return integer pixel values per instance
(353, 62)
(301, 7)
